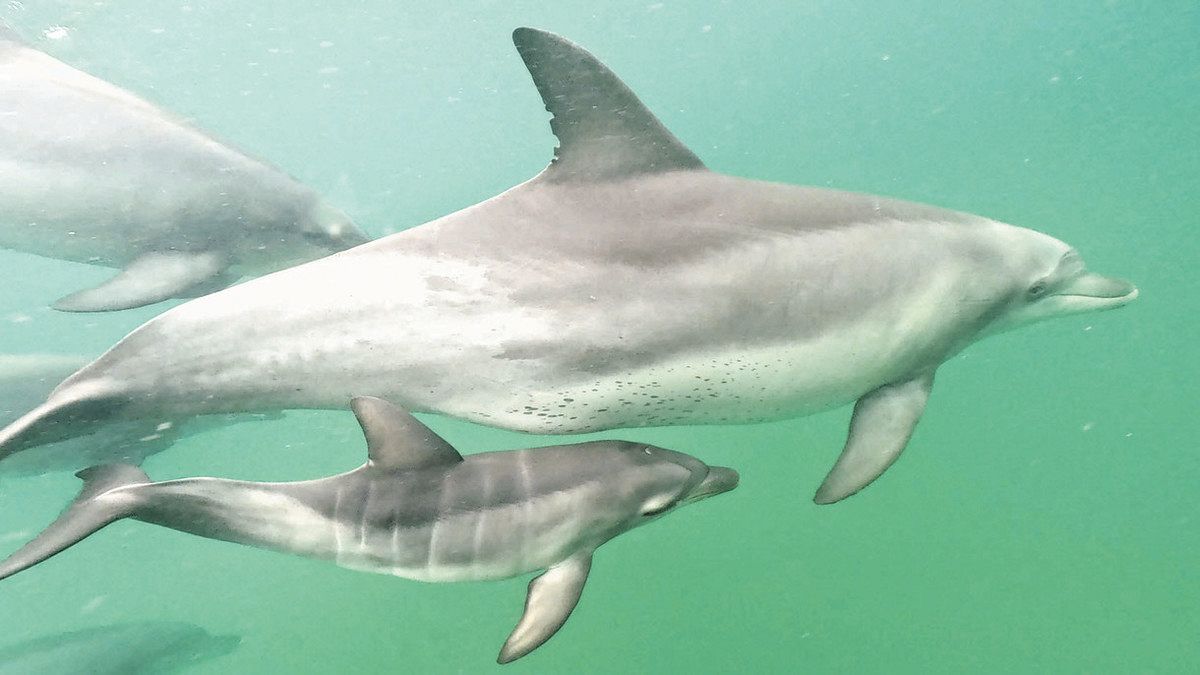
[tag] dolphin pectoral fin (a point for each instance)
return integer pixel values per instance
(882, 423)
(220, 280)
(552, 597)
(152, 277)
(604, 131)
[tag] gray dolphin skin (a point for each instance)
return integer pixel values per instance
(145, 648)
(91, 173)
(624, 286)
(26, 379)
(419, 510)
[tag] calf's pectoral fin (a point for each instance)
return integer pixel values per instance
(882, 423)
(152, 277)
(552, 597)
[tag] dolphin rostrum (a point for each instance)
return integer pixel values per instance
(626, 285)
(92, 173)
(419, 510)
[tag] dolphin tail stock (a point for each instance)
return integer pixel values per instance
(90, 512)
(59, 418)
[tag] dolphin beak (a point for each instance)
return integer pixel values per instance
(1100, 292)
(719, 479)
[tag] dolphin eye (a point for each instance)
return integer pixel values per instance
(1037, 289)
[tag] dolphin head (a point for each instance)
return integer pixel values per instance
(325, 230)
(657, 480)
(303, 229)
(1047, 278)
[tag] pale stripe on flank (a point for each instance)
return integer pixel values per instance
(338, 543)
(526, 505)
(362, 520)
(480, 518)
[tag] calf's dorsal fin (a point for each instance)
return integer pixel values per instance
(397, 441)
(604, 132)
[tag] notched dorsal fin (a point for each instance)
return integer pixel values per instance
(604, 132)
(397, 441)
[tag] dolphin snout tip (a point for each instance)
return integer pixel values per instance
(719, 479)
(1122, 288)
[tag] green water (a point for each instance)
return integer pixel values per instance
(1045, 517)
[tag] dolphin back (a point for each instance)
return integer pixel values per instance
(87, 514)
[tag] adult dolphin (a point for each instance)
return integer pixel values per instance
(626, 285)
(91, 173)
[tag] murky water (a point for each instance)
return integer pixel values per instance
(1045, 517)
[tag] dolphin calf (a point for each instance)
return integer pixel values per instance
(419, 510)
(91, 173)
(156, 647)
(626, 285)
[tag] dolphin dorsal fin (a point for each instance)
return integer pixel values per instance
(604, 132)
(397, 441)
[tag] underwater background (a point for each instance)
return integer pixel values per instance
(1046, 515)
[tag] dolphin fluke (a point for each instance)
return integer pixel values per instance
(92, 510)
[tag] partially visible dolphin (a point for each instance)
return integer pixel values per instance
(91, 173)
(626, 285)
(146, 648)
(418, 510)
(26, 379)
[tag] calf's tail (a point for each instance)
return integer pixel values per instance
(96, 506)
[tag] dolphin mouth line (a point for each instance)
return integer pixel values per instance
(1091, 286)
(719, 479)
(1131, 295)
